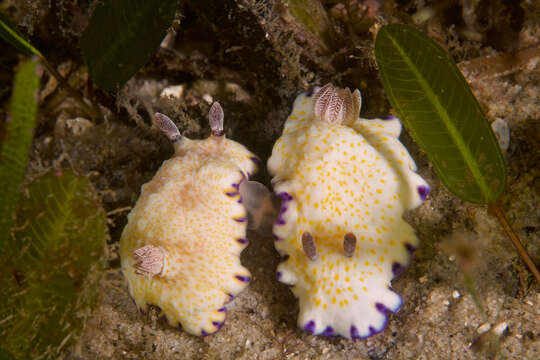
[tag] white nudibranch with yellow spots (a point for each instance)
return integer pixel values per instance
(344, 183)
(181, 247)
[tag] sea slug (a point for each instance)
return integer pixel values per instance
(181, 247)
(344, 183)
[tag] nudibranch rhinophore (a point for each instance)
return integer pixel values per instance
(344, 183)
(181, 247)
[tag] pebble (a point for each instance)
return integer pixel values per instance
(78, 126)
(175, 91)
(270, 354)
(500, 328)
(208, 98)
(265, 312)
(483, 328)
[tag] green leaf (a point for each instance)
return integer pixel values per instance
(51, 265)
(122, 36)
(20, 124)
(9, 33)
(310, 13)
(4, 355)
(436, 104)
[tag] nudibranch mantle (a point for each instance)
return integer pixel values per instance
(344, 188)
(190, 220)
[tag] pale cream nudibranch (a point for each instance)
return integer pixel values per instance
(344, 183)
(181, 247)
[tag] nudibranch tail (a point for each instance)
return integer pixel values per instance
(258, 202)
(384, 135)
(181, 247)
(344, 183)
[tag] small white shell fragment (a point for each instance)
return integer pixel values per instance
(76, 126)
(456, 294)
(483, 328)
(181, 247)
(500, 328)
(174, 91)
(168, 40)
(79, 125)
(208, 98)
(344, 183)
(502, 132)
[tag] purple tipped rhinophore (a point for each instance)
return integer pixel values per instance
(329, 331)
(410, 248)
(243, 278)
(423, 191)
(354, 332)
(215, 116)
(167, 127)
(241, 220)
(397, 268)
(242, 241)
(310, 326)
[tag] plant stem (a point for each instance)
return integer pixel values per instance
(469, 284)
(93, 112)
(515, 239)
